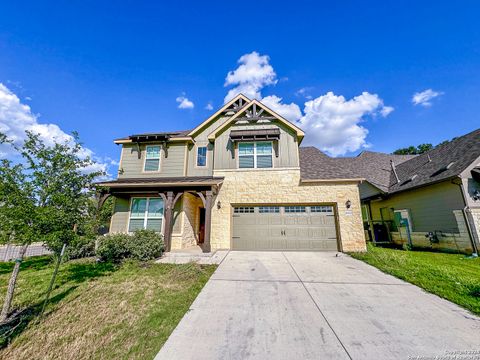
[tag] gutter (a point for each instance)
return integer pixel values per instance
(356, 180)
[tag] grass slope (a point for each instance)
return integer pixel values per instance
(450, 276)
(99, 311)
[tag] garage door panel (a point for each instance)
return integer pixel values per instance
(273, 228)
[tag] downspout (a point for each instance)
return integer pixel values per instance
(465, 216)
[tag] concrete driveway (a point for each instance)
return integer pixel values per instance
(300, 305)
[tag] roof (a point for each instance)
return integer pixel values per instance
(152, 136)
(166, 181)
(441, 163)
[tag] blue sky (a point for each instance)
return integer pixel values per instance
(112, 69)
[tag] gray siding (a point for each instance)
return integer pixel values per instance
(431, 207)
(368, 190)
(121, 209)
(193, 170)
(170, 166)
(225, 156)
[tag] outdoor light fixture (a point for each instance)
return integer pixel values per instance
(348, 204)
(219, 205)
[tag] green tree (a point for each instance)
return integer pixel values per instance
(45, 196)
(412, 150)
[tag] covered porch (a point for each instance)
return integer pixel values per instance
(179, 207)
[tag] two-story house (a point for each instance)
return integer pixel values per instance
(236, 181)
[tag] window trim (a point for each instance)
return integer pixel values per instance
(145, 217)
(255, 155)
(206, 156)
(159, 159)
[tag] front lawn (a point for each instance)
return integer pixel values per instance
(450, 276)
(98, 311)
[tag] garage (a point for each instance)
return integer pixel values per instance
(277, 227)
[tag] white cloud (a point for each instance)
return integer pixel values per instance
(332, 123)
(253, 73)
(290, 111)
(386, 110)
(184, 102)
(423, 98)
(16, 118)
(304, 92)
(209, 106)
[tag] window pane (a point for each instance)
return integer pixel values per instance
(246, 161)
(264, 161)
(152, 164)
(155, 208)
(139, 205)
(268, 209)
(264, 148)
(202, 156)
(153, 152)
(154, 224)
(135, 224)
(245, 148)
(243, 210)
(295, 209)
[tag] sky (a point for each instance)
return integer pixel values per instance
(376, 75)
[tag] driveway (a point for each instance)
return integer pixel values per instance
(316, 305)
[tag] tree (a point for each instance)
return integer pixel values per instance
(45, 196)
(18, 218)
(412, 150)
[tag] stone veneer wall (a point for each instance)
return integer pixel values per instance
(187, 237)
(475, 224)
(282, 186)
(447, 241)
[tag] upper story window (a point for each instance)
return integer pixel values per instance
(152, 158)
(255, 155)
(202, 156)
(146, 213)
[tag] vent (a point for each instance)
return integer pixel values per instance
(443, 169)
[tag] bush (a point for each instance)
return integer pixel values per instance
(142, 245)
(146, 245)
(81, 247)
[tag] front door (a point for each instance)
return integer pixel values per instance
(201, 227)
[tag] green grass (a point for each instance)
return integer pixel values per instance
(450, 276)
(97, 311)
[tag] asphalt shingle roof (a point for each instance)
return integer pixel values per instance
(440, 163)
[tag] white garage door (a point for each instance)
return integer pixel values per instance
(296, 227)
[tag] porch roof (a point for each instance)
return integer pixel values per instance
(149, 182)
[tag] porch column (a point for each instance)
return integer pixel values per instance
(208, 220)
(167, 235)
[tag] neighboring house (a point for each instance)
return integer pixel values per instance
(438, 193)
(239, 180)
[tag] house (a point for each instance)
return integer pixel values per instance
(239, 180)
(431, 200)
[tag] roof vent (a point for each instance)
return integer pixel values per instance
(394, 169)
(445, 168)
(414, 177)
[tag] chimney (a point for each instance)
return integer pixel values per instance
(394, 169)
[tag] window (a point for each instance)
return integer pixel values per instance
(243, 210)
(255, 155)
(146, 213)
(152, 158)
(321, 209)
(202, 156)
(295, 209)
(268, 209)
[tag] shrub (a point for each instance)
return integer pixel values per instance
(81, 247)
(113, 247)
(142, 245)
(146, 245)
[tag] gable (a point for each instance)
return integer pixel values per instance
(230, 107)
(256, 113)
